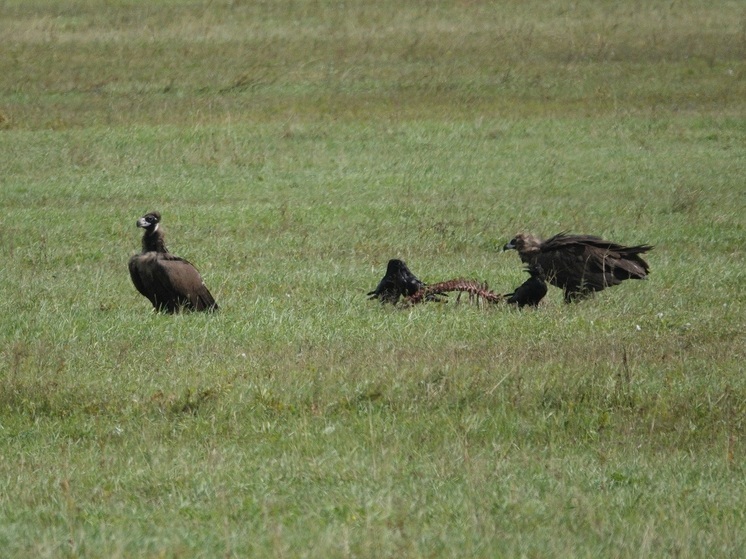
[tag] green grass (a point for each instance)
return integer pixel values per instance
(293, 148)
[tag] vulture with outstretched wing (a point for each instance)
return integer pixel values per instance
(170, 283)
(580, 264)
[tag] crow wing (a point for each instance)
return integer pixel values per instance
(386, 290)
(530, 292)
(397, 282)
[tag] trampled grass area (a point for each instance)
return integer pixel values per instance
(293, 148)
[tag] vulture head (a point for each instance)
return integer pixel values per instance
(150, 222)
(524, 243)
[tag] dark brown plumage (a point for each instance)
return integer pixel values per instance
(170, 283)
(530, 292)
(399, 281)
(580, 264)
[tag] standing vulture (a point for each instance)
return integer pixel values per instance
(170, 283)
(580, 264)
(398, 282)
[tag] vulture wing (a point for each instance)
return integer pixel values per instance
(141, 277)
(583, 263)
(181, 284)
(170, 282)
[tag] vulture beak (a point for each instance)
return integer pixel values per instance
(509, 245)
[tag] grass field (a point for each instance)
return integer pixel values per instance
(293, 147)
